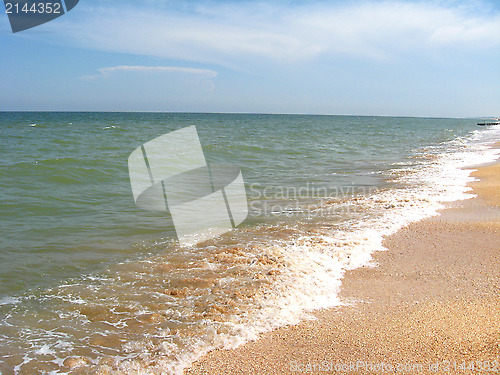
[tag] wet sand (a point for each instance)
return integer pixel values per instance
(431, 306)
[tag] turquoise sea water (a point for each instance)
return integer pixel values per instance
(89, 281)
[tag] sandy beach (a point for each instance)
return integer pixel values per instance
(432, 305)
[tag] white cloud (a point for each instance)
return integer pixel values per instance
(239, 33)
(103, 72)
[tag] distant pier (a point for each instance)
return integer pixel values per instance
(489, 123)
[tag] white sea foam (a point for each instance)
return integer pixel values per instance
(10, 300)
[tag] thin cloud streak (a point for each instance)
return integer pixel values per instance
(104, 72)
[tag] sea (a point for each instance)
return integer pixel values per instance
(90, 283)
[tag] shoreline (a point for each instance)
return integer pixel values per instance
(432, 304)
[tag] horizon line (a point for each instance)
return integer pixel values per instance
(246, 113)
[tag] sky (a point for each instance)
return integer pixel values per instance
(396, 58)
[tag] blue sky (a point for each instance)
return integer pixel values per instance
(410, 58)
